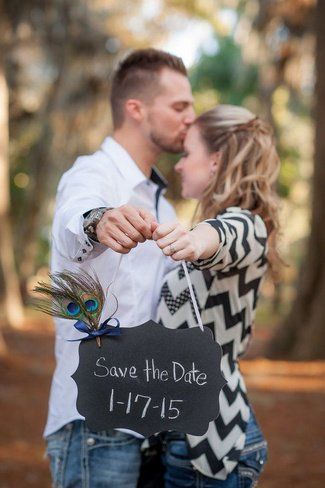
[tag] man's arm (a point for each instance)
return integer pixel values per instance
(120, 229)
(84, 187)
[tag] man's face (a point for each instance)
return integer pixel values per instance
(170, 113)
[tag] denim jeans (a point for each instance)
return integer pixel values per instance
(83, 459)
(180, 472)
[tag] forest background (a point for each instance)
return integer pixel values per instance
(56, 60)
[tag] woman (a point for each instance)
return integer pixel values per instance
(230, 166)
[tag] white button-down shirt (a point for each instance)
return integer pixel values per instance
(107, 178)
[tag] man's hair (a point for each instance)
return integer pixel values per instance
(137, 76)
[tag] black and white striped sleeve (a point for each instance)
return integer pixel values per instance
(243, 241)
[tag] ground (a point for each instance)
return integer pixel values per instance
(289, 400)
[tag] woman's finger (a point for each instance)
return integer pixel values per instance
(176, 246)
(179, 233)
(164, 229)
(184, 254)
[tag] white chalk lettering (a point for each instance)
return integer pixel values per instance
(113, 372)
(154, 373)
(164, 375)
(101, 366)
(132, 372)
(201, 377)
(178, 376)
(117, 372)
(192, 376)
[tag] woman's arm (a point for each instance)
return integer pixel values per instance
(235, 238)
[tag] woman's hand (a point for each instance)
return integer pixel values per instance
(178, 243)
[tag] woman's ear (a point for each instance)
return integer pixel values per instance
(215, 161)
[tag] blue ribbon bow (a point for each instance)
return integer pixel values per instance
(104, 329)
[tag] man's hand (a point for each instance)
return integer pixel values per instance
(122, 228)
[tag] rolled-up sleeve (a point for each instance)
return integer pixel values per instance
(243, 241)
(81, 189)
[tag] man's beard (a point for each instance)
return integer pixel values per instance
(173, 147)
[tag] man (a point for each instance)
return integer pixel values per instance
(108, 204)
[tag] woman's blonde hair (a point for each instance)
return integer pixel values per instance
(247, 169)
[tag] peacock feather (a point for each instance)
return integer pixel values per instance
(76, 296)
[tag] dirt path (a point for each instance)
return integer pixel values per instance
(289, 400)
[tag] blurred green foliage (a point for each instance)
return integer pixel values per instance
(226, 72)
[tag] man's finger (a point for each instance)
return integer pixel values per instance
(149, 218)
(123, 239)
(114, 245)
(127, 220)
(139, 223)
(130, 231)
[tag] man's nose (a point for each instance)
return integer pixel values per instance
(190, 117)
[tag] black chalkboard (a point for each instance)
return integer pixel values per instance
(150, 379)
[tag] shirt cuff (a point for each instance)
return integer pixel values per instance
(84, 247)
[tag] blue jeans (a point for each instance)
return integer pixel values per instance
(83, 459)
(180, 472)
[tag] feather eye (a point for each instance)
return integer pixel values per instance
(70, 295)
(91, 302)
(71, 308)
(91, 305)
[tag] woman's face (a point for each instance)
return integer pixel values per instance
(197, 166)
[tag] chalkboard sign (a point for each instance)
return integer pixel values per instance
(150, 379)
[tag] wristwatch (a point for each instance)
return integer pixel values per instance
(91, 220)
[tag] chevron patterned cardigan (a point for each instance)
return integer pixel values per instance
(226, 287)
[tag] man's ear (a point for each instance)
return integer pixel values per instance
(134, 109)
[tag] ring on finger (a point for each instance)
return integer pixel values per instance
(172, 250)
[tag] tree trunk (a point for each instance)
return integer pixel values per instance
(302, 335)
(9, 286)
(41, 156)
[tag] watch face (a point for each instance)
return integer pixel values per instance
(92, 220)
(95, 216)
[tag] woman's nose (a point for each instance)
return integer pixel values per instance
(178, 167)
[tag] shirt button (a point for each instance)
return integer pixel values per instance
(79, 259)
(90, 441)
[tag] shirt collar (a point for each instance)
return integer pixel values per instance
(157, 177)
(127, 166)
